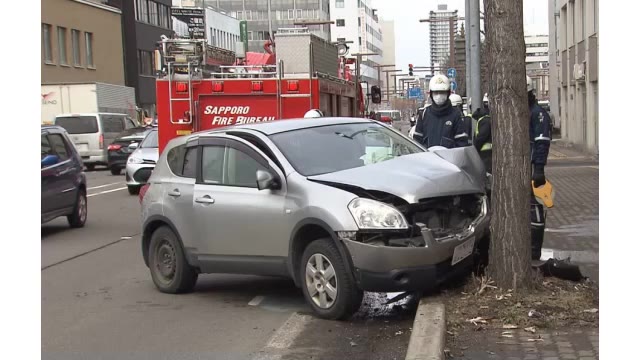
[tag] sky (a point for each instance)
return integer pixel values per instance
(412, 36)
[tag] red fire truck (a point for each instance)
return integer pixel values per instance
(201, 87)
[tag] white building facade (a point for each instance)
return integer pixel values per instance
(537, 63)
(222, 30)
(388, 53)
(573, 29)
(357, 22)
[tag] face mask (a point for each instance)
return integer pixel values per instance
(439, 99)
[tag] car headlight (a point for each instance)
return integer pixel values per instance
(134, 160)
(371, 214)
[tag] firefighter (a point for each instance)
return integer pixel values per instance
(314, 113)
(440, 123)
(540, 140)
(467, 121)
(482, 140)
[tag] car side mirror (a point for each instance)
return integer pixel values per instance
(49, 160)
(133, 146)
(267, 181)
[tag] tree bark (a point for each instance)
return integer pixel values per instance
(510, 252)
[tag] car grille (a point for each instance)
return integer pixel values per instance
(142, 175)
(444, 216)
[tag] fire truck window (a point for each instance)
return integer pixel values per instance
(212, 164)
(241, 169)
(190, 163)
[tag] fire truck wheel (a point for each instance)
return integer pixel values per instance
(170, 271)
(327, 284)
(133, 189)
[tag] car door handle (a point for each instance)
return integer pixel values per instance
(174, 193)
(205, 200)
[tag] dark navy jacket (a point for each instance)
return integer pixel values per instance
(441, 126)
(539, 134)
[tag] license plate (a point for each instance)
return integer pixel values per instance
(82, 147)
(463, 250)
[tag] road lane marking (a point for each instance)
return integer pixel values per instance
(106, 191)
(289, 331)
(85, 253)
(256, 300)
(105, 185)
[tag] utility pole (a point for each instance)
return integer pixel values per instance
(269, 12)
(467, 50)
(474, 45)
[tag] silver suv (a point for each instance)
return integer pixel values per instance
(339, 205)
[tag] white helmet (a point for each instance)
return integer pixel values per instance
(485, 98)
(529, 84)
(313, 113)
(439, 83)
(455, 99)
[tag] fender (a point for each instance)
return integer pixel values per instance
(146, 239)
(339, 244)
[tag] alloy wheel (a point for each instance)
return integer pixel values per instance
(321, 281)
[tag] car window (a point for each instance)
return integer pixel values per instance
(240, 169)
(111, 124)
(45, 146)
(78, 124)
(212, 164)
(175, 159)
(150, 141)
(326, 149)
(190, 163)
(59, 147)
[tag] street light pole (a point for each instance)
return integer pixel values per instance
(467, 49)
(474, 44)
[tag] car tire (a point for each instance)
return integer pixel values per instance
(115, 170)
(348, 296)
(133, 189)
(90, 167)
(170, 271)
(79, 216)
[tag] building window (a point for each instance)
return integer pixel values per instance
(340, 22)
(153, 13)
(88, 43)
(163, 16)
(145, 62)
(142, 11)
(46, 43)
(340, 4)
(62, 45)
(75, 47)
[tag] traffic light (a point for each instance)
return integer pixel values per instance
(410, 69)
(376, 94)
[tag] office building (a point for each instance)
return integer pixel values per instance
(221, 30)
(388, 52)
(573, 68)
(537, 63)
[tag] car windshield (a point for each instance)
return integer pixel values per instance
(151, 141)
(327, 149)
(78, 124)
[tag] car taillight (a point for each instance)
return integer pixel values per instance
(143, 190)
(114, 147)
(101, 141)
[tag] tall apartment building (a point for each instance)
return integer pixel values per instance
(537, 63)
(573, 68)
(284, 13)
(357, 22)
(443, 25)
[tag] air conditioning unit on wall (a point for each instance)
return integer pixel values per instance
(579, 71)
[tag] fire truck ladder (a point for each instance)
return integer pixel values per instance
(170, 74)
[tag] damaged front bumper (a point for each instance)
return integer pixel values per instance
(394, 267)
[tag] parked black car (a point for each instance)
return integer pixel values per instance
(119, 150)
(64, 184)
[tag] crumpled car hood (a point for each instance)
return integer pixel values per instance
(418, 176)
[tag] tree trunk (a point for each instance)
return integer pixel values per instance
(510, 253)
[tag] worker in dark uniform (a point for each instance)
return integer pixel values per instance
(467, 121)
(441, 123)
(540, 140)
(482, 140)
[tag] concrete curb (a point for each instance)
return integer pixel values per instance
(428, 336)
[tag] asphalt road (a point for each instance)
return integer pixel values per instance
(98, 302)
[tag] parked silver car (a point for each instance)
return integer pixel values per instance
(141, 162)
(339, 205)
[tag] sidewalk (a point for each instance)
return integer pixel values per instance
(572, 231)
